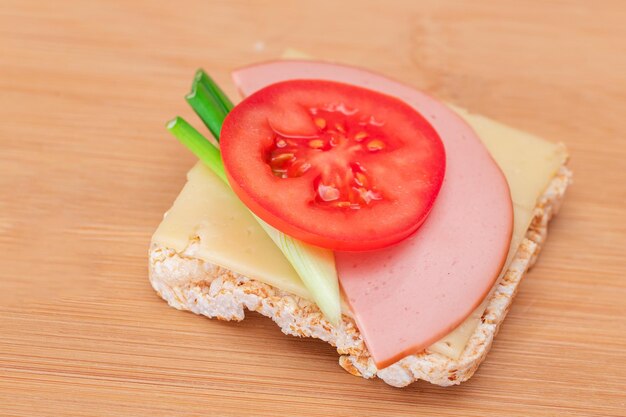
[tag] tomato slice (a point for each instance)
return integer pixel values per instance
(331, 164)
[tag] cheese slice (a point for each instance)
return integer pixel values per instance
(209, 213)
(224, 233)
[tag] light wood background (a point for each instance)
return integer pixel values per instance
(87, 170)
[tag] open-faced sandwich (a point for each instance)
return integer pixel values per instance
(352, 208)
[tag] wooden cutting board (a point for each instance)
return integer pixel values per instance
(87, 170)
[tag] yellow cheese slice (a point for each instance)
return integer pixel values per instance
(208, 213)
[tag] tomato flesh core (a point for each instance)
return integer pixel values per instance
(342, 134)
(333, 165)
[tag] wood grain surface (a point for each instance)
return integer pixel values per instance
(87, 170)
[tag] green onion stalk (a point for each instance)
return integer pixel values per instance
(314, 265)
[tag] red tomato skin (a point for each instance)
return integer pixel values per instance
(331, 230)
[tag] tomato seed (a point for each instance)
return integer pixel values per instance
(375, 145)
(316, 144)
(319, 122)
(360, 179)
(303, 168)
(298, 169)
(282, 158)
(327, 192)
(360, 136)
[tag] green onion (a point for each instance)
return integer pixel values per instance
(199, 145)
(203, 78)
(315, 266)
(205, 106)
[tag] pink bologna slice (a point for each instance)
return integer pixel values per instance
(408, 296)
